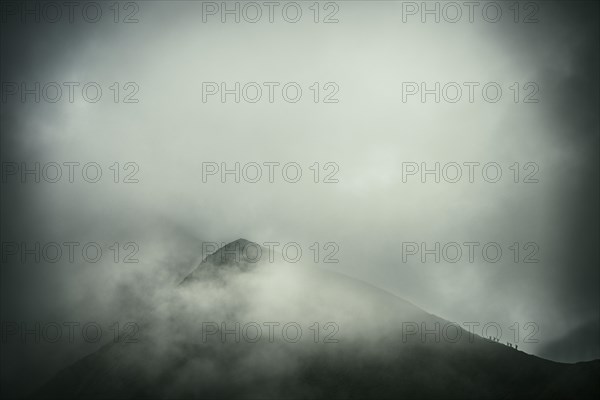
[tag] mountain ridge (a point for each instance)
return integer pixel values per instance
(371, 359)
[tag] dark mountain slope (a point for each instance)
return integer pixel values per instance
(372, 353)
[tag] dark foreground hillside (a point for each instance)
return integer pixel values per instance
(369, 357)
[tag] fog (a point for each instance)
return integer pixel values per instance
(368, 136)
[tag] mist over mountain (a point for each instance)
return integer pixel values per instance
(185, 148)
(241, 326)
(241, 255)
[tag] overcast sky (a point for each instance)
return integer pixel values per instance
(368, 135)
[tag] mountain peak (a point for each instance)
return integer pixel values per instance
(241, 254)
(238, 251)
(240, 241)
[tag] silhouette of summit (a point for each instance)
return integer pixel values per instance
(240, 254)
(236, 252)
